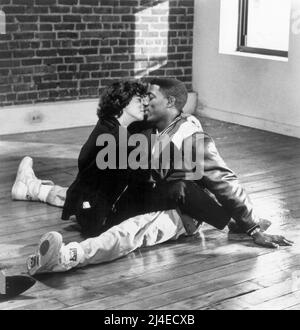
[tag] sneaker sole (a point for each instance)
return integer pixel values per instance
(48, 249)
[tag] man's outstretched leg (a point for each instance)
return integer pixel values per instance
(52, 255)
(28, 187)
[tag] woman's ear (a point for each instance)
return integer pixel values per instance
(171, 101)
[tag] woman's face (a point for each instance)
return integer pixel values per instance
(135, 108)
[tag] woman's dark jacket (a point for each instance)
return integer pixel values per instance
(91, 196)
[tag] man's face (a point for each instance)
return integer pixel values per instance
(157, 108)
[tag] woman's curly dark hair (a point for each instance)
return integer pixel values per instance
(117, 96)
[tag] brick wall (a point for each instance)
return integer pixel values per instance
(57, 50)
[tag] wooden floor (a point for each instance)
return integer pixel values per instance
(211, 272)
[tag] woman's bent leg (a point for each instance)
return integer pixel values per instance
(57, 196)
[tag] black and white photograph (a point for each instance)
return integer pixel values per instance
(150, 157)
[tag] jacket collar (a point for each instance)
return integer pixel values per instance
(110, 122)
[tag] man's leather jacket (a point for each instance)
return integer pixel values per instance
(217, 178)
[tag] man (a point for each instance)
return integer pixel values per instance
(193, 199)
(167, 98)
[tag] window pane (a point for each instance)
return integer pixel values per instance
(268, 24)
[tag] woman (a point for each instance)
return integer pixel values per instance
(93, 193)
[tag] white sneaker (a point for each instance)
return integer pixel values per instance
(27, 186)
(52, 255)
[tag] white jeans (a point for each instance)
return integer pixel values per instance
(57, 196)
(140, 231)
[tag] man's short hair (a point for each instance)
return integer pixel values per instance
(172, 87)
(117, 96)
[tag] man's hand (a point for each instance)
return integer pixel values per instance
(271, 241)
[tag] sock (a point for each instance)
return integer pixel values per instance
(44, 192)
(71, 255)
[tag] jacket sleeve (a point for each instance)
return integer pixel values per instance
(89, 150)
(224, 184)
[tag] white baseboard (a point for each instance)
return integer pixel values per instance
(47, 116)
(259, 123)
(56, 115)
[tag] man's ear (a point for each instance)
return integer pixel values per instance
(171, 101)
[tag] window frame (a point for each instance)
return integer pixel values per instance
(242, 35)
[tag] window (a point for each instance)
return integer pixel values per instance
(264, 27)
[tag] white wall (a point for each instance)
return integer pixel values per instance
(255, 92)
